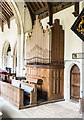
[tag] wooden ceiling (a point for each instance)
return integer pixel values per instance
(5, 13)
(44, 9)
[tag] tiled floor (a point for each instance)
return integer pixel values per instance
(63, 109)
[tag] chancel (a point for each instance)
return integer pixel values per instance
(41, 58)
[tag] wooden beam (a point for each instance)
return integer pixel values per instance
(62, 6)
(43, 15)
(76, 9)
(50, 13)
(8, 8)
(29, 6)
(8, 22)
(4, 7)
(41, 3)
(37, 4)
(34, 6)
(31, 13)
(5, 14)
(2, 16)
(2, 26)
(42, 10)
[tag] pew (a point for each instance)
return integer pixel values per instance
(16, 84)
(31, 91)
(15, 92)
(12, 93)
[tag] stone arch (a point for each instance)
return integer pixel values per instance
(4, 53)
(67, 70)
(20, 36)
(17, 16)
(20, 15)
(15, 49)
(15, 58)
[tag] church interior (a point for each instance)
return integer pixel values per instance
(41, 57)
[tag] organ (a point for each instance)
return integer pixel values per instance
(45, 60)
(38, 45)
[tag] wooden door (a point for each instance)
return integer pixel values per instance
(75, 83)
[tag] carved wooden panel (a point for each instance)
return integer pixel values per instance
(53, 80)
(57, 54)
(75, 83)
(12, 93)
(56, 82)
(39, 73)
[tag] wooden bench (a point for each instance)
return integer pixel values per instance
(15, 92)
(30, 90)
(12, 93)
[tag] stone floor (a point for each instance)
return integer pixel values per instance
(63, 109)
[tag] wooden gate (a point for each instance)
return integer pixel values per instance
(75, 83)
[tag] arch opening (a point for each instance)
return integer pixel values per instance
(75, 83)
(6, 56)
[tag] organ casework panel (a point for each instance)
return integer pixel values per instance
(37, 45)
(57, 55)
(45, 60)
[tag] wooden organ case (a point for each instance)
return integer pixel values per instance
(45, 59)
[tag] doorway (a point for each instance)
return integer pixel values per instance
(75, 83)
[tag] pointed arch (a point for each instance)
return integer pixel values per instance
(15, 58)
(4, 53)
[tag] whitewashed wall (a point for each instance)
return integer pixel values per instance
(9, 36)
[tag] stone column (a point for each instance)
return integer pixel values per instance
(20, 59)
(11, 61)
(4, 61)
(14, 63)
(1, 62)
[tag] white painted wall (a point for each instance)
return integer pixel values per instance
(9, 35)
(25, 16)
